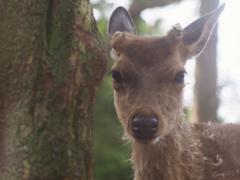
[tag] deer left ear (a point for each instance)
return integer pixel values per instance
(196, 35)
(120, 21)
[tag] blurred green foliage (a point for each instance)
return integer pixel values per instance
(110, 153)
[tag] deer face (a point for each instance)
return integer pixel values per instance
(148, 78)
(148, 74)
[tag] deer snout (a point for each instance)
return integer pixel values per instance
(144, 127)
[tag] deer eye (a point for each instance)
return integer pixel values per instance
(116, 77)
(179, 77)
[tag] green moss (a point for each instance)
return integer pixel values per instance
(57, 37)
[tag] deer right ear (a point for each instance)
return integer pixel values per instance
(120, 21)
(196, 35)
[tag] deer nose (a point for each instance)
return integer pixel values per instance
(144, 127)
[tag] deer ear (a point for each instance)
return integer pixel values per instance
(196, 35)
(121, 21)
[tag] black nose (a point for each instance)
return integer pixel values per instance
(144, 127)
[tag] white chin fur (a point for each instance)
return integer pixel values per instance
(155, 140)
(129, 137)
(148, 141)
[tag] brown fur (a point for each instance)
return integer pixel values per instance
(178, 150)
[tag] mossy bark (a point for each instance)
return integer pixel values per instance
(51, 64)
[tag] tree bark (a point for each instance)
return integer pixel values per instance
(51, 64)
(205, 92)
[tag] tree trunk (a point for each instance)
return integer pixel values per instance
(51, 64)
(205, 93)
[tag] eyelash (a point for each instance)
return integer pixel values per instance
(179, 77)
(116, 76)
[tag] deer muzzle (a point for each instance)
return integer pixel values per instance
(146, 125)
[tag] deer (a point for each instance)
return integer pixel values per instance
(148, 81)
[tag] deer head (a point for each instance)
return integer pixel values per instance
(148, 74)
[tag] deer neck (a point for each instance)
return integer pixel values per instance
(172, 154)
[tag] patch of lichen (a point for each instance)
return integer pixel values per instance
(52, 147)
(50, 155)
